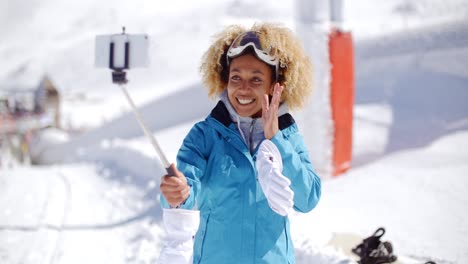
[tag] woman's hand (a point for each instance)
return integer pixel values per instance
(270, 112)
(175, 188)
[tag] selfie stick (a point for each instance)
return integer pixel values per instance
(119, 77)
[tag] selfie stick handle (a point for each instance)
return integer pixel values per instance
(148, 134)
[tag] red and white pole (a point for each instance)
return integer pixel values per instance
(327, 120)
(341, 52)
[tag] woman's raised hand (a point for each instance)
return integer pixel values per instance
(270, 112)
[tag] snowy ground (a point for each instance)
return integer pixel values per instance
(100, 205)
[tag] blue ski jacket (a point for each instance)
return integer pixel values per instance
(236, 223)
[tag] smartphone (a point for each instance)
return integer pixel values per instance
(122, 51)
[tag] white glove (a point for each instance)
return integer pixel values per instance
(274, 184)
(180, 226)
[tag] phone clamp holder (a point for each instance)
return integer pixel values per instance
(119, 76)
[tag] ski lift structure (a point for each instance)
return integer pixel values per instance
(24, 110)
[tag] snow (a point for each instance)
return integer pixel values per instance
(100, 204)
(420, 200)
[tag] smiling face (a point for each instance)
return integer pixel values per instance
(249, 80)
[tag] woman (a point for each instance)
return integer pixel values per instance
(245, 167)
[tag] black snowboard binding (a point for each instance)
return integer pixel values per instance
(374, 251)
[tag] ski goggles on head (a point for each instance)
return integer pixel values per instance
(252, 40)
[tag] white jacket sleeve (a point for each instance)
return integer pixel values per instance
(180, 226)
(274, 184)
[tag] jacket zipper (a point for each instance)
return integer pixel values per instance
(252, 125)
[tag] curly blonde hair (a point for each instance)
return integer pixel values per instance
(295, 69)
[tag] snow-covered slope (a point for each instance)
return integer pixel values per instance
(421, 77)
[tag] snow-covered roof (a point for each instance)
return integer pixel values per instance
(24, 78)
